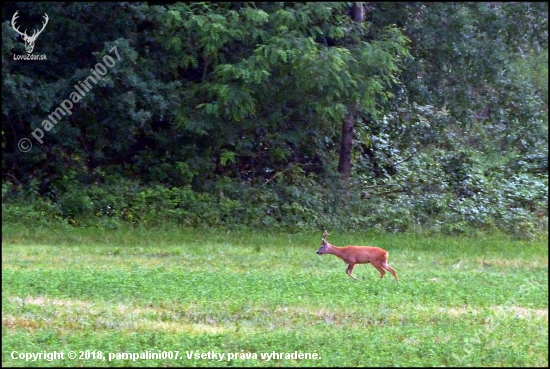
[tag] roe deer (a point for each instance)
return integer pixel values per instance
(358, 255)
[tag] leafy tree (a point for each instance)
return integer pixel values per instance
(255, 112)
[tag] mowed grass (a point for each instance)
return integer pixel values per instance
(460, 301)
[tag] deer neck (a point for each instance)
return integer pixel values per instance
(334, 250)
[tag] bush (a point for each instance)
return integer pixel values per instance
(450, 195)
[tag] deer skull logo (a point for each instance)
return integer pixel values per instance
(29, 40)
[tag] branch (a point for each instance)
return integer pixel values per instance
(285, 170)
(15, 179)
(408, 158)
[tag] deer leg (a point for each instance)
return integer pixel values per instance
(350, 270)
(380, 269)
(390, 269)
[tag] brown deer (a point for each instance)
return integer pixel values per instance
(353, 255)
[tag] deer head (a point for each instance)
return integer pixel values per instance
(29, 40)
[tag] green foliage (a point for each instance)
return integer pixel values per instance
(231, 113)
(435, 195)
(532, 69)
(27, 207)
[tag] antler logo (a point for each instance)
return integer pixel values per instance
(29, 40)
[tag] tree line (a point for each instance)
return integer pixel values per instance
(398, 116)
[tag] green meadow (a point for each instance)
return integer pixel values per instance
(213, 297)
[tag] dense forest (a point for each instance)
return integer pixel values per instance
(402, 117)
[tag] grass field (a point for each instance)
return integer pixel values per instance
(218, 298)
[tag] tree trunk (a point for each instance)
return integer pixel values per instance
(358, 12)
(344, 163)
